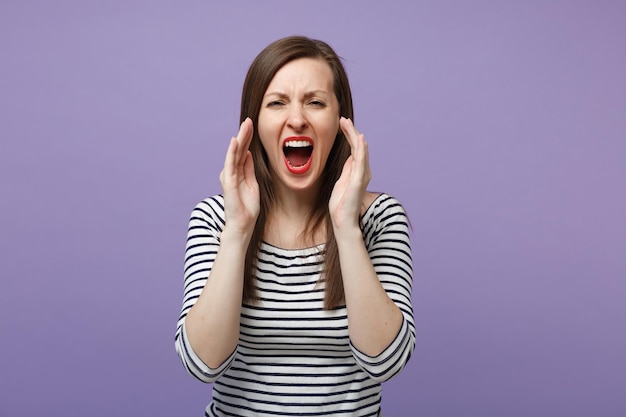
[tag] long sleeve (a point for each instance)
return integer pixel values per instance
(205, 225)
(386, 233)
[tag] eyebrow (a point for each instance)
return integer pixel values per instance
(308, 94)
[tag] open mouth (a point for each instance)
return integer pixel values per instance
(297, 153)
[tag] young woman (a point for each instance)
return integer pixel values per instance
(297, 293)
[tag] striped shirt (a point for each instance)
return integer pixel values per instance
(293, 357)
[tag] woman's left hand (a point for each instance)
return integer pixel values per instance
(347, 197)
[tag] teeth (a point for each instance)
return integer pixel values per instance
(297, 144)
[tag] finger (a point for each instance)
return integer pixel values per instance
(360, 160)
(365, 158)
(348, 124)
(248, 169)
(229, 162)
(244, 137)
(358, 148)
(346, 171)
(237, 149)
(349, 132)
(363, 150)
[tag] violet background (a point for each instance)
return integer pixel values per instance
(501, 126)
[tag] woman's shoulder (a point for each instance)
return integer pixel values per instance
(210, 206)
(376, 201)
(217, 199)
(374, 204)
(385, 214)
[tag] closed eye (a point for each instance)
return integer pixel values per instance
(275, 103)
(317, 103)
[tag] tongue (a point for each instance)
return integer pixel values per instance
(298, 156)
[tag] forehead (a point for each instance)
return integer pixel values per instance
(303, 73)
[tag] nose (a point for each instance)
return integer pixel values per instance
(296, 119)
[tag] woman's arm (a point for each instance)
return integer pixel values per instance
(203, 245)
(211, 325)
(386, 235)
(375, 320)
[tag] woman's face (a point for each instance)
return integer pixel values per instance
(298, 123)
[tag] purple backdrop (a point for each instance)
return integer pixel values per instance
(500, 125)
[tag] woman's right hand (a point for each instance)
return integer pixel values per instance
(239, 185)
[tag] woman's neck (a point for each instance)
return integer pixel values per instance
(288, 220)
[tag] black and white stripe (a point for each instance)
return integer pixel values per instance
(294, 358)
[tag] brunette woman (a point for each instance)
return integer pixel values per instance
(297, 296)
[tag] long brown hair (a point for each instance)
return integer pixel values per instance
(260, 74)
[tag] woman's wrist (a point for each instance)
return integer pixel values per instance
(234, 237)
(348, 233)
